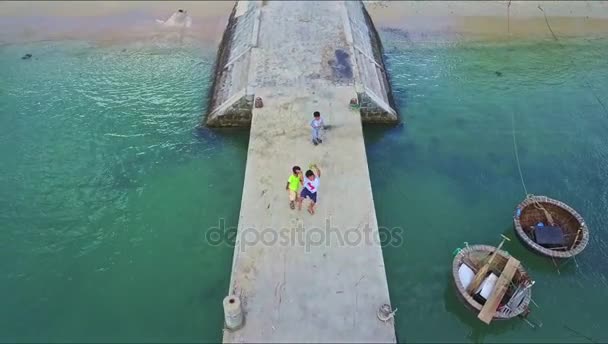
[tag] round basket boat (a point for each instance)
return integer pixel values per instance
(519, 293)
(534, 210)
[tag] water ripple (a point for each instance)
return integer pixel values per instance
(77, 113)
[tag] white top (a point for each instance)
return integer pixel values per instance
(311, 185)
(317, 123)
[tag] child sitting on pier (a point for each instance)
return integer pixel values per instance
(311, 186)
(293, 184)
(317, 124)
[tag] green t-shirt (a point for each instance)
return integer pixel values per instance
(294, 182)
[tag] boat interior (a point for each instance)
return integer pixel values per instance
(473, 261)
(550, 226)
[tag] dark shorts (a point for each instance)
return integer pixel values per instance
(306, 193)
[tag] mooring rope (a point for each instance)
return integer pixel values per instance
(572, 61)
(384, 313)
(509, 17)
(547, 214)
(521, 175)
(547, 22)
(596, 96)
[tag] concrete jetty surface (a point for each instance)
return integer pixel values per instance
(302, 277)
(304, 42)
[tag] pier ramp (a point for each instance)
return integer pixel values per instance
(251, 39)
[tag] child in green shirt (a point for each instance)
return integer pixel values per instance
(293, 184)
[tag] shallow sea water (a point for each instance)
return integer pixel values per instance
(107, 188)
(450, 176)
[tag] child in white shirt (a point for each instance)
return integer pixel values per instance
(311, 186)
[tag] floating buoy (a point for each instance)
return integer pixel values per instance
(233, 315)
(258, 103)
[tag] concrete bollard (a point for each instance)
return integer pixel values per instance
(233, 315)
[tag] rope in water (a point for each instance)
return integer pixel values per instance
(521, 175)
(572, 61)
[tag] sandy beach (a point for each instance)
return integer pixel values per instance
(109, 22)
(117, 21)
(427, 20)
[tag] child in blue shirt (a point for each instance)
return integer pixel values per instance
(317, 124)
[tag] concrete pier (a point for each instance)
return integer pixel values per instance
(302, 277)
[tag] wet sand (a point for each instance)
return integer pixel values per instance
(493, 20)
(118, 21)
(109, 22)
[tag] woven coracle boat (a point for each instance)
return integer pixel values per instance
(550, 227)
(506, 297)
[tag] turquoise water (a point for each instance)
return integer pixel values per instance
(107, 188)
(450, 176)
